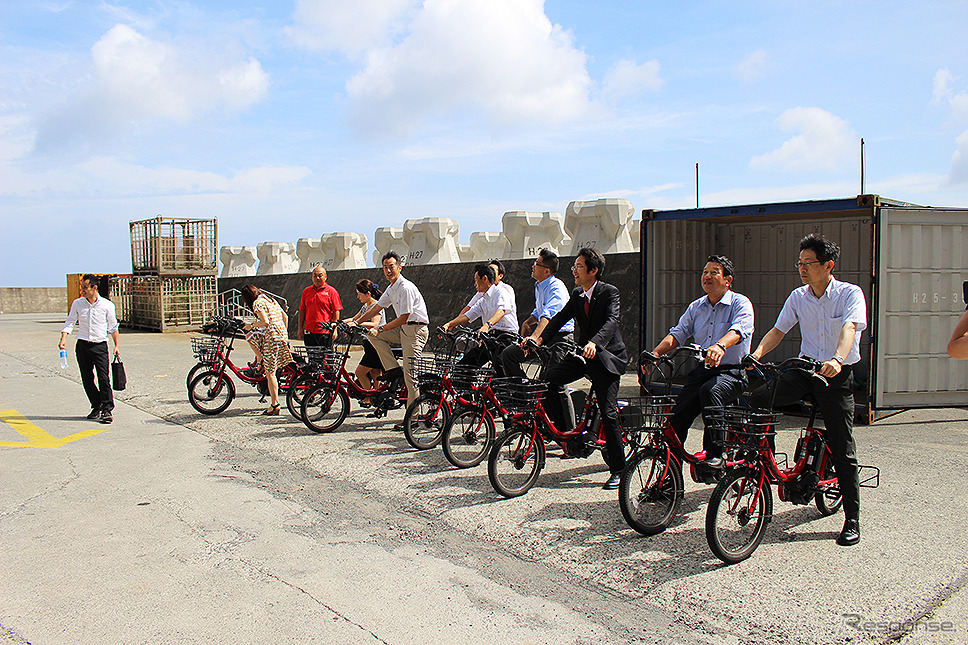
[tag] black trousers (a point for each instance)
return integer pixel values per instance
(318, 340)
(513, 355)
(604, 384)
(836, 404)
(91, 358)
(705, 388)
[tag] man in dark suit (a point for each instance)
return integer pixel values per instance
(594, 305)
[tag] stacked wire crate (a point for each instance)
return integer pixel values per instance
(174, 267)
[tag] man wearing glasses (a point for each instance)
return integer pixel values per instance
(550, 295)
(594, 306)
(832, 314)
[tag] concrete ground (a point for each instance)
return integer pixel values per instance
(169, 526)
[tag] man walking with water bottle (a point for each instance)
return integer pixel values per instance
(95, 319)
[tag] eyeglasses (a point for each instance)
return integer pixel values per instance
(575, 267)
(806, 264)
(539, 265)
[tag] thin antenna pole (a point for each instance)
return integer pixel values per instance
(862, 166)
(697, 185)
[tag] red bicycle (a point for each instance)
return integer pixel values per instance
(518, 455)
(212, 391)
(324, 394)
(651, 489)
(472, 430)
(741, 505)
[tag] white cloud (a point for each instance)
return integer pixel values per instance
(825, 142)
(959, 162)
(752, 68)
(500, 60)
(942, 85)
(628, 78)
(135, 79)
(348, 27)
(109, 177)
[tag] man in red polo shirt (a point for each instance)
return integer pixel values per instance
(320, 304)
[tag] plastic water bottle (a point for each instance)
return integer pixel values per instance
(63, 359)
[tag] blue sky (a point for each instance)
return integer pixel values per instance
(295, 119)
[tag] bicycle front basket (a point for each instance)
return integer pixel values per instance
(517, 394)
(644, 413)
(743, 428)
(205, 348)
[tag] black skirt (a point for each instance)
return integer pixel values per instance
(370, 358)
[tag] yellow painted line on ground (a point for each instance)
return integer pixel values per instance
(38, 437)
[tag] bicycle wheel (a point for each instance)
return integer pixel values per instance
(737, 515)
(468, 436)
(651, 490)
(294, 396)
(195, 371)
(828, 501)
(515, 461)
(425, 419)
(324, 407)
(210, 395)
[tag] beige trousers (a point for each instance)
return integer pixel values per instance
(412, 339)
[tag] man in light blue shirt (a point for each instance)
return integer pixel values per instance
(832, 314)
(550, 296)
(721, 322)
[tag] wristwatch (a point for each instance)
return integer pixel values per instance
(838, 359)
(379, 329)
(722, 346)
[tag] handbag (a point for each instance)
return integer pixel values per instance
(118, 378)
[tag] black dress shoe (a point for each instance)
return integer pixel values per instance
(613, 482)
(850, 535)
(94, 414)
(106, 417)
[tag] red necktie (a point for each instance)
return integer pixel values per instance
(587, 302)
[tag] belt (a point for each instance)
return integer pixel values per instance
(415, 323)
(91, 342)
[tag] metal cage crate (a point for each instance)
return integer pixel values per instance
(161, 246)
(165, 303)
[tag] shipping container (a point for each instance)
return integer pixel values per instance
(163, 246)
(104, 286)
(909, 260)
(165, 303)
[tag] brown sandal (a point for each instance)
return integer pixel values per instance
(273, 410)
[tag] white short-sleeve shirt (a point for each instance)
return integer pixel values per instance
(822, 319)
(405, 298)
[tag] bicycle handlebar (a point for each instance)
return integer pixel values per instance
(808, 365)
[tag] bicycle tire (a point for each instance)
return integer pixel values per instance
(733, 531)
(468, 437)
(650, 490)
(515, 461)
(197, 369)
(209, 400)
(324, 408)
(425, 420)
(828, 506)
(302, 384)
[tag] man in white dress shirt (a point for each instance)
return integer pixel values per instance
(95, 319)
(832, 314)
(409, 328)
(495, 308)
